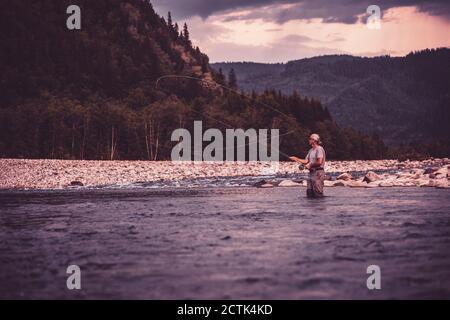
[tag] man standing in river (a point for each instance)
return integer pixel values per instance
(315, 163)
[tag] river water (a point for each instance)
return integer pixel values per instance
(225, 243)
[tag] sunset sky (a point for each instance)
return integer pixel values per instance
(283, 30)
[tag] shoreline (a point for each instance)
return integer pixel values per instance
(24, 174)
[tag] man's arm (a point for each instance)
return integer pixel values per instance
(302, 161)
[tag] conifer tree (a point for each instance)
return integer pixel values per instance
(169, 20)
(232, 79)
(186, 35)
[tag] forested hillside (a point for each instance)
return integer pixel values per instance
(97, 93)
(402, 99)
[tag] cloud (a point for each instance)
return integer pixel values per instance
(274, 30)
(281, 11)
(259, 34)
(383, 52)
(205, 31)
(296, 39)
(282, 50)
(205, 8)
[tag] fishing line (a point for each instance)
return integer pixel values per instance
(246, 144)
(224, 87)
(236, 92)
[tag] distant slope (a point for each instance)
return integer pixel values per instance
(402, 99)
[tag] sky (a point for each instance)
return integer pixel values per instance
(282, 30)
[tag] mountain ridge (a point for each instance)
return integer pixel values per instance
(391, 96)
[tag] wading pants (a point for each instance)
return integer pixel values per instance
(316, 180)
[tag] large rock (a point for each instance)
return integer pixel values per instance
(386, 184)
(345, 176)
(423, 183)
(406, 175)
(77, 184)
(404, 183)
(431, 183)
(357, 184)
(289, 183)
(418, 172)
(371, 177)
(328, 183)
(416, 176)
(442, 184)
(442, 171)
(375, 184)
(260, 183)
(440, 176)
(267, 185)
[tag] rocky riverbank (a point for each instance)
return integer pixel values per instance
(430, 177)
(60, 174)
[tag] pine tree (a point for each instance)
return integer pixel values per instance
(205, 64)
(220, 77)
(232, 79)
(169, 20)
(186, 34)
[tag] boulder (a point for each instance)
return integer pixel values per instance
(345, 176)
(357, 184)
(371, 177)
(328, 183)
(77, 184)
(399, 183)
(288, 183)
(389, 177)
(260, 183)
(440, 176)
(416, 176)
(418, 172)
(404, 183)
(267, 185)
(423, 183)
(386, 184)
(442, 184)
(372, 185)
(430, 170)
(442, 171)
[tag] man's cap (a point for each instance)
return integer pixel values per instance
(315, 137)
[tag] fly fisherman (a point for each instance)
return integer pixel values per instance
(315, 163)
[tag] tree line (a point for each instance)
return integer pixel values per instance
(107, 129)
